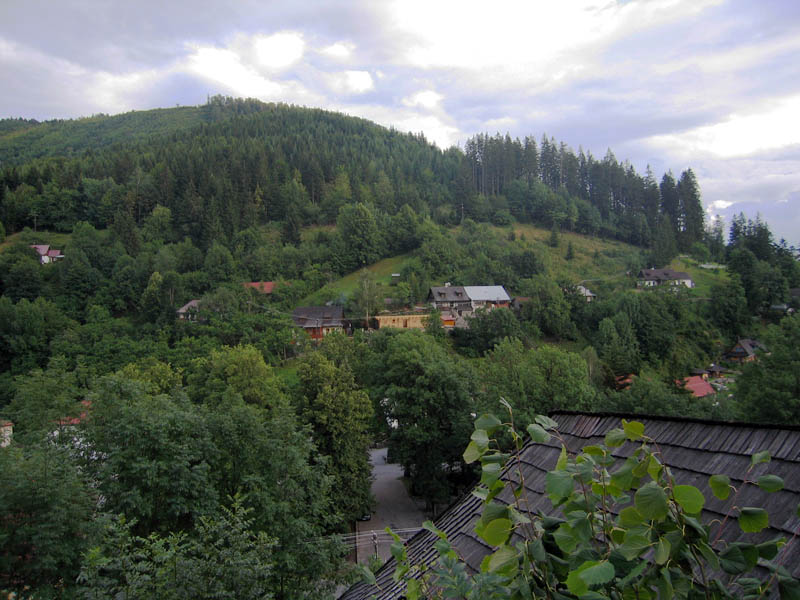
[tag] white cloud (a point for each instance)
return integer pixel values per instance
(339, 50)
(350, 82)
(774, 126)
(225, 67)
(529, 39)
(279, 51)
(426, 99)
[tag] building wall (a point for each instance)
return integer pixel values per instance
(402, 321)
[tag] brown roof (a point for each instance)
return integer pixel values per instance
(318, 316)
(693, 449)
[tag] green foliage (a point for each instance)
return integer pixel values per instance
(600, 545)
(151, 455)
(46, 511)
(486, 329)
(339, 414)
(768, 390)
(235, 370)
(535, 380)
(428, 392)
(222, 557)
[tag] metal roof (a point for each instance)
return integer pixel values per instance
(487, 293)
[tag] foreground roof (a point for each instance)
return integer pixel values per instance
(693, 449)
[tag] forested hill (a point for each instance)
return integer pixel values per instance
(233, 163)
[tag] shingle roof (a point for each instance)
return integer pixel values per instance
(693, 449)
(318, 316)
(448, 293)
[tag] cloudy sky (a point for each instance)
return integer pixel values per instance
(708, 84)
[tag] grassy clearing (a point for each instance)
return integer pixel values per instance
(598, 261)
(703, 278)
(382, 270)
(54, 239)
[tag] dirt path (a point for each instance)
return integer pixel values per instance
(394, 509)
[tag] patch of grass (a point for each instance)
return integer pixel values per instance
(703, 279)
(595, 259)
(382, 270)
(53, 238)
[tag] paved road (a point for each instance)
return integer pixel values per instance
(394, 508)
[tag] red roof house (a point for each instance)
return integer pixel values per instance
(698, 386)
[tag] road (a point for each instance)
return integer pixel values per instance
(394, 509)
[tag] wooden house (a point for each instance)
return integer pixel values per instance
(319, 321)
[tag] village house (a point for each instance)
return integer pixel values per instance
(745, 350)
(46, 253)
(6, 432)
(188, 312)
(586, 293)
(658, 277)
(698, 385)
(467, 299)
(693, 449)
(319, 321)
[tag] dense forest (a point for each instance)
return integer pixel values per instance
(142, 440)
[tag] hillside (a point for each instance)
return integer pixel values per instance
(21, 141)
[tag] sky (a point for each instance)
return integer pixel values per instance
(709, 84)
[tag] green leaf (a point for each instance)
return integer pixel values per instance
(429, 526)
(615, 437)
(490, 473)
(367, 576)
(709, 554)
(561, 464)
(472, 453)
(504, 561)
(576, 584)
(596, 573)
(630, 517)
(496, 533)
(545, 422)
(558, 484)
(654, 468)
(651, 501)
(768, 550)
(662, 551)
(480, 437)
(720, 485)
(538, 434)
(789, 588)
(753, 520)
(488, 422)
(732, 560)
(760, 457)
(594, 450)
(634, 545)
(690, 498)
(565, 538)
(413, 589)
(633, 430)
(770, 483)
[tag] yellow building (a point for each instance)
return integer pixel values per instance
(409, 321)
